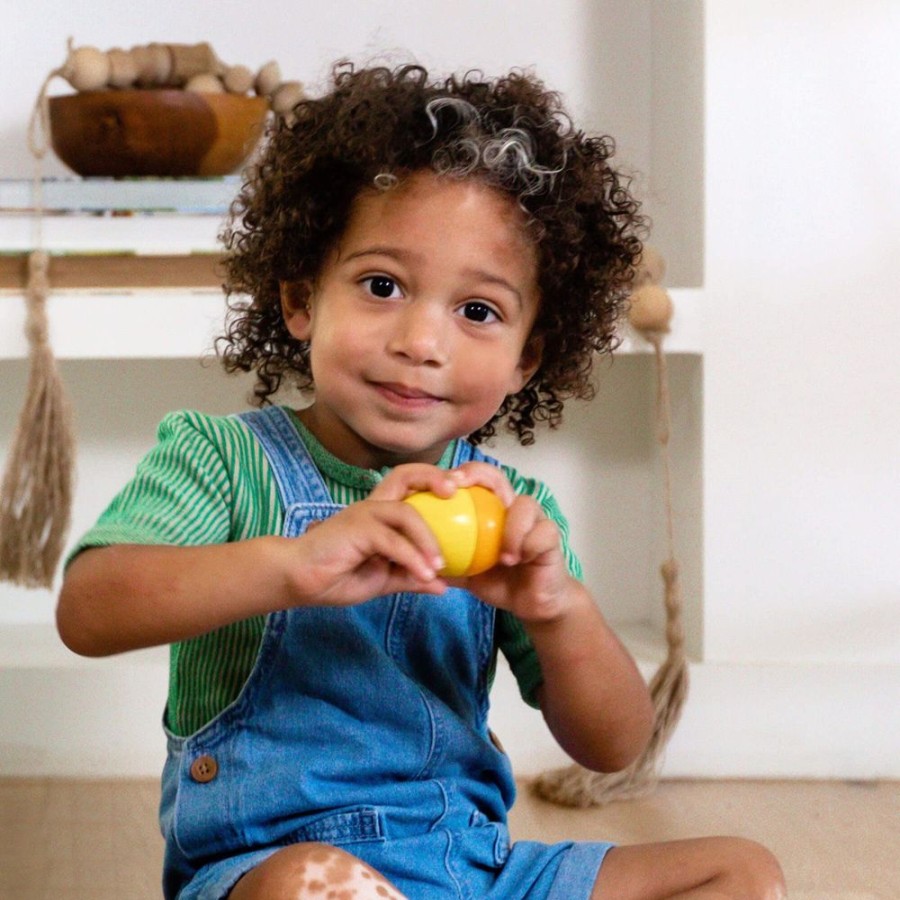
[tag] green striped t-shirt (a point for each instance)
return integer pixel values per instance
(208, 481)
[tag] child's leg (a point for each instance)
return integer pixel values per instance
(314, 871)
(715, 867)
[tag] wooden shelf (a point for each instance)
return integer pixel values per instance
(105, 271)
(134, 269)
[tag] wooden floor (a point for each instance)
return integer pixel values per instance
(76, 840)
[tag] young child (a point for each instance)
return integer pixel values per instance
(427, 260)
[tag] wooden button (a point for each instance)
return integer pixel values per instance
(204, 769)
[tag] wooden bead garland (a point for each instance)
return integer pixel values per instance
(194, 67)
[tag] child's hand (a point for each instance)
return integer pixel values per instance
(531, 579)
(379, 545)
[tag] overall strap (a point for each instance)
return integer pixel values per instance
(298, 479)
(466, 452)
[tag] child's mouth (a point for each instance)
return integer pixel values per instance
(406, 395)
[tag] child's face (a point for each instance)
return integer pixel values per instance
(419, 322)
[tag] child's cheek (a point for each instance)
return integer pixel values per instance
(483, 407)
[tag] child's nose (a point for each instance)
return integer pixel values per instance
(420, 335)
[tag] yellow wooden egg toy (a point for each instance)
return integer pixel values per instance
(468, 527)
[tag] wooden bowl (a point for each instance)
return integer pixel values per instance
(151, 132)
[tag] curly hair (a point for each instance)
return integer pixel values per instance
(377, 125)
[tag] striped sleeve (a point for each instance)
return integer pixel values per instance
(203, 483)
(206, 481)
(511, 638)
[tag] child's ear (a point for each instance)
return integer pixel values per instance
(295, 297)
(529, 362)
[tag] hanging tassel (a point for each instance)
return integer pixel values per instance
(650, 313)
(36, 492)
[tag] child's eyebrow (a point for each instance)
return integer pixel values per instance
(405, 256)
(385, 250)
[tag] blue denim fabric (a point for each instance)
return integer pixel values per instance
(364, 727)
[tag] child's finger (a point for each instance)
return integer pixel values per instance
(390, 530)
(528, 532)
(543, 539)
(411, 477)
(485, 475)
(400, 534)
(404, 554)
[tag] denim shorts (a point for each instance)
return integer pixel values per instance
(473, 865)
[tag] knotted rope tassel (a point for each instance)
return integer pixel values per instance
(36, 492)
(575, 785)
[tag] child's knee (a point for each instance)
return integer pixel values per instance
(756, 869)
(314, 872)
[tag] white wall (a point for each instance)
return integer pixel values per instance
(305, 38)
(802, 452)
(801, 439)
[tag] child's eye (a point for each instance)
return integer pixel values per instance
(478, 311)
(382, 286)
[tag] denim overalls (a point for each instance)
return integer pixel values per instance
(362, 726)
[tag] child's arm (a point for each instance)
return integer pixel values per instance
(127, 596)
(593, 697)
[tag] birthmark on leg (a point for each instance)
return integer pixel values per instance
(333, 874)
